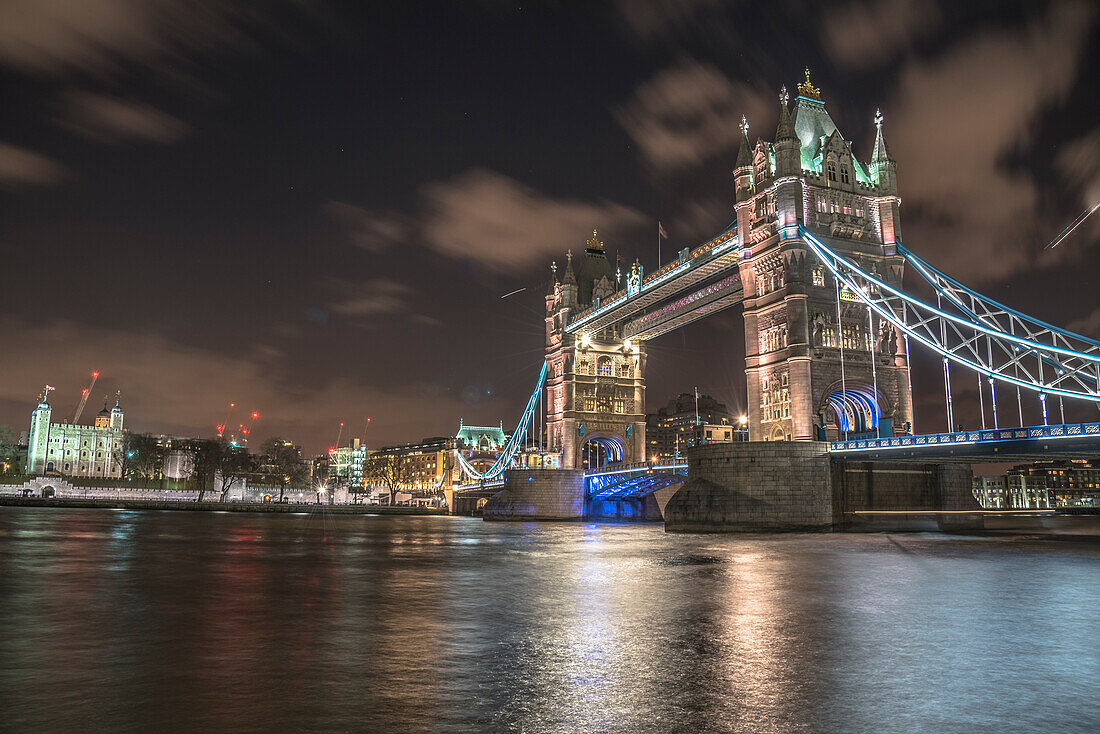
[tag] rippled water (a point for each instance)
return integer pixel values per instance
(176, 621)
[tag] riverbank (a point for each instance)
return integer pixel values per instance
(218, 506)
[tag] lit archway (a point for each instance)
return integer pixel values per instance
(857, 408)
(598, 451)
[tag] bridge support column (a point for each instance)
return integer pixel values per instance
(538, 494)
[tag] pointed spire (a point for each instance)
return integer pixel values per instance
(553, 278)
(744, 155)
(880, 153)
(570, 277)
(785, 129)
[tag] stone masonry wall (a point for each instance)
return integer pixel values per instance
(753, 486)
(538, 494)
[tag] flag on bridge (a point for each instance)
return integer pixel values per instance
(661, 230)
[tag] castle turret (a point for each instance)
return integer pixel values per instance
(116, 415)
(38, 440)
(788, 155)
(742, 169)
(884, 169)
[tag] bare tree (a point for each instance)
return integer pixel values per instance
(235, 463)
(389, 471)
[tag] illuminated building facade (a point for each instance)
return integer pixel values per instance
(431, 463)
(595, 384)
(345, 464)
(1070, 483)
(797, 323)
(75, 450)
(674, 427)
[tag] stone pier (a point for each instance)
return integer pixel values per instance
(538, 494)
(790, 486)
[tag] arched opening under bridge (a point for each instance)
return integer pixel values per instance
(599, 451)
(856, 410)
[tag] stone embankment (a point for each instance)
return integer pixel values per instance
(274, 507)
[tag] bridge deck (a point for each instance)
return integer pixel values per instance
(1075, 440)
(704, 262)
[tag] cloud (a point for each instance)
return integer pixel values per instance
(691, 112)
(483, 216)
(373, 231)
(868, 32)
(1079, 164)
(647, 17)
(171, 388)
(372, 298)
(954, 122)
(112, 120)
(21, 168)
(97, 36)
(1087, 326)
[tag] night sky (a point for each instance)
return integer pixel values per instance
(313, 208)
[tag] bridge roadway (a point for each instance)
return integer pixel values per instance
(645, 310)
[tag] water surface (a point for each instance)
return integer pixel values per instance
(176, 621)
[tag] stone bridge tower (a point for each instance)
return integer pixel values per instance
(595, 384)
(797, 324)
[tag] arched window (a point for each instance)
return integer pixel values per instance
(830, 170)
(603, 366)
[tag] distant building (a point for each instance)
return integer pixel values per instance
(990, 492)
(1074, 483)
(480, 445)
(75, 450)
(673, 428)
(345, 464)
(432, 462)
(1027, 492)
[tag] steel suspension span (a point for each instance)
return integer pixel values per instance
(975, 331)
(509, 451)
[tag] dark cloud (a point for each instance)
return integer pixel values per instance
(372, 231)
(954, 122)
(649, 17)
(691, 112)
(55, 37)
(504, 225)
(866, 33)
(21, 168)
(109, 119)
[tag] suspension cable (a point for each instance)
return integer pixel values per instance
(874, 358)
(981, 398)
(840, 341)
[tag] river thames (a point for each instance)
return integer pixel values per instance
(176, 621)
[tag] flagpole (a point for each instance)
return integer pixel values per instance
(658, 244)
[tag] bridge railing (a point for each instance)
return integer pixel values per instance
(963, 438)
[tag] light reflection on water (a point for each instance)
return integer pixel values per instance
(235, 622)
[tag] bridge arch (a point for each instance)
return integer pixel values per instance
(854, 407)
(599, 450)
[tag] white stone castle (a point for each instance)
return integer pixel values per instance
(75, 450)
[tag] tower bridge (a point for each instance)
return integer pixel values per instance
(815, 257)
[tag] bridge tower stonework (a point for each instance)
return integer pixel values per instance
(595, 382)
(799, 385)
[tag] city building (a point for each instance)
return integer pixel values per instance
(990, 492)
(676, 426)
(75, 449)
(1073, 483)
(480, 445)
(430, 463)
(1027, 492)
(345, 464)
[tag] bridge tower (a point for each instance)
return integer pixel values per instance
(595, 382)
(797, 324)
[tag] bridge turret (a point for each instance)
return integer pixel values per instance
(788, 155)
(742, 169)
(883, 167)
(569, 283)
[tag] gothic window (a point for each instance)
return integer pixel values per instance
(821, 204)
(625, 370)
(582, 368)
(830, 169)
(590, 404)
(844, 174)
(603, 366)
(603, 405)
(859, 210)
(620, 405)
(817, 276)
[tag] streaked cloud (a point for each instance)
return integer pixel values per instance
(109, 119)
(21, 168)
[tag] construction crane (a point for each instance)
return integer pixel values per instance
(84, 398)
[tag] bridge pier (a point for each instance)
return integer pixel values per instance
(794, 486)
(538, 494)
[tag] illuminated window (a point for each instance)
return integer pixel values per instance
(603, 405)
(818, 275)
(620, 405)
(603, 366)
(590, 404)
